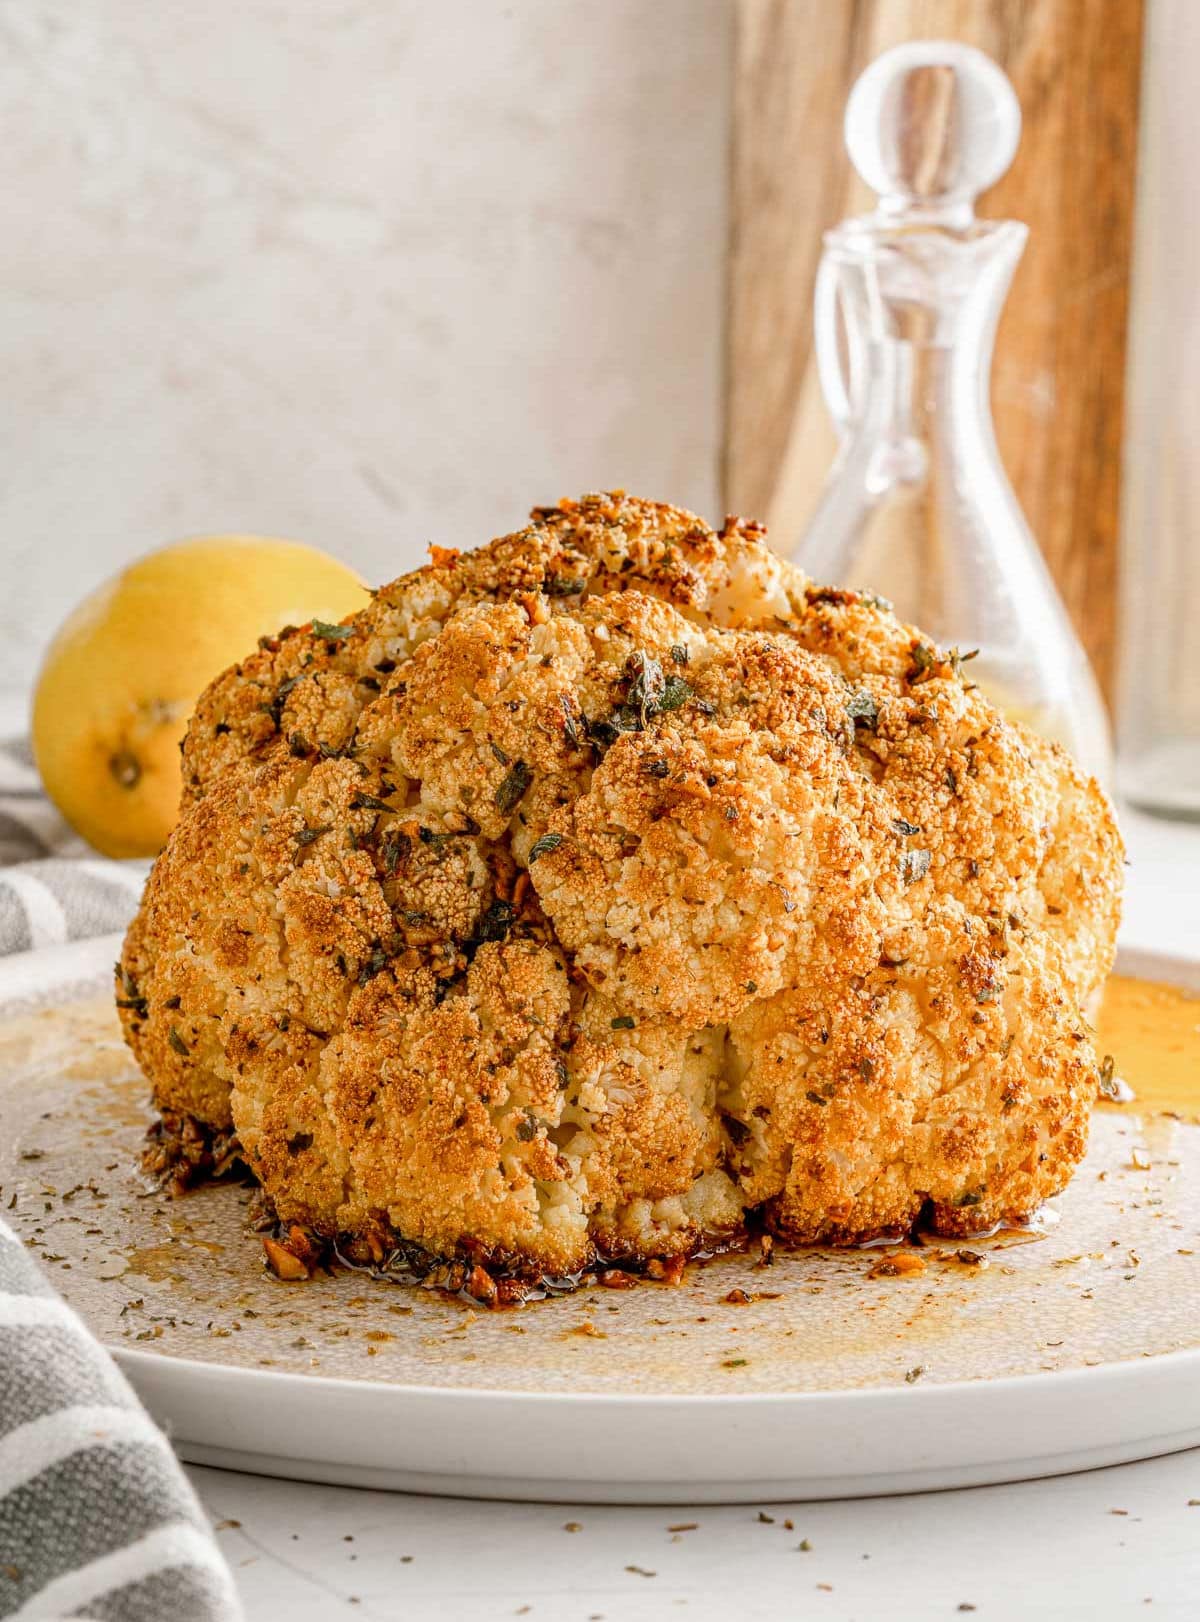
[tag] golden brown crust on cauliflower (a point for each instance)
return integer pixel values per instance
(600, 887)
(307, 688)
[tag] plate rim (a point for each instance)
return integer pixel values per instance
(1001, 1386)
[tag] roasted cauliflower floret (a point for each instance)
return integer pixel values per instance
(306, 686)
(698, 870)
(586, 894)
(959, 1078)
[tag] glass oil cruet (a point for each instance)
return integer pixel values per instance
(917, 506)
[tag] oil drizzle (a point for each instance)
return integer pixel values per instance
(1152, 1031)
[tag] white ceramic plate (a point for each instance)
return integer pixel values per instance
(1075, 1349)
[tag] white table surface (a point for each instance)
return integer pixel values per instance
(1111, 1543)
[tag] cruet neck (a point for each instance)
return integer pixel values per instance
(922, 283)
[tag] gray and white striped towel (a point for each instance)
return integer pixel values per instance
(53, 888)
(97, 1519)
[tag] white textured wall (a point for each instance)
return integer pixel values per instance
(367, 274)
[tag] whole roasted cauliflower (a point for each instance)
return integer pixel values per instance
(589, 894)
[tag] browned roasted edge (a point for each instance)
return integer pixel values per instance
(182, 1152)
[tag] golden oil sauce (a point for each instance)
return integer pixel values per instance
(1152, 1031)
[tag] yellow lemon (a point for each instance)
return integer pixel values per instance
(123, 674)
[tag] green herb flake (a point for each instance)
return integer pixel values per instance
(374, 965)
(177, 1043)
(815, 1098)
(647, 686)
(496, 921)
(863, 710)
(924, 659)
(275, 707)
(570, 728)
(675, 694)
(914, 864)
(306, 836)
(905, 828)
(561, 585)
(604, 733)
(133, 999)
(394, 850)
(543, 846)
(512, 789)
(679, 653)
(325, 632)
(369, 802)
(648, 693)
(624, 1022)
